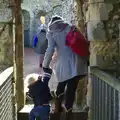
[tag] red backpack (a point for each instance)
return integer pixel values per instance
(77, 42)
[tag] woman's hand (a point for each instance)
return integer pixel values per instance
(47, 70)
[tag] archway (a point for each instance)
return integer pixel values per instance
(35, 24)
(31, 27)
(26, 21)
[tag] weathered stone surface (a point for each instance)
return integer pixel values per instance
(36, 8)
(81, 92)
(102, 19)
(26, 19)
(102, 30)
(95, 30)
(79, 17)
(104, 54)
(112, 1)
(68, 11)
(98, 11)
(6, 58)
(19, 56)
(5, 11)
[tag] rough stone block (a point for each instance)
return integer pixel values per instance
(96, 60)
(98, 11)
(5, 45)
(5, 12)
(81, 91)
(104, 54)
(95, 30)
(111, 1)
(95, 1)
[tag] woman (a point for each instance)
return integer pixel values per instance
(69, 68)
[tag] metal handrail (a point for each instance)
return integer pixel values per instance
(110, 80)
(5, 75)
(105, 94)
(7, 105)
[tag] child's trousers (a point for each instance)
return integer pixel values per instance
(40, 111)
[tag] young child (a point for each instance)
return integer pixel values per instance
(40, 93)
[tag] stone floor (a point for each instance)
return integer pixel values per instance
(31, 62)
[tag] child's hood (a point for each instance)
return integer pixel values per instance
(36, 87)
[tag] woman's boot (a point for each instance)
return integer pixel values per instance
(58, 106)
(58, 110)
(68, 115)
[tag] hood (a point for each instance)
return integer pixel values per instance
(58, 25)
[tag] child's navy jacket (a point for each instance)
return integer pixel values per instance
(40, 91)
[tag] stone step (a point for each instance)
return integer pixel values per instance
(76, 115)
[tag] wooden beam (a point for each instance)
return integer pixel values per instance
(18, 55)
(80, 16)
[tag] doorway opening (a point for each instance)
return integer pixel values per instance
(26, 23)
(31, 28)
(31, 58)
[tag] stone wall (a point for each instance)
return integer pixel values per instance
(6, 58)
(102, 25)
(102, 19)
(68, 11)
(57, 10)
(26, 19)
(36, 8)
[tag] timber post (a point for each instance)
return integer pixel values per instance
(19, 55)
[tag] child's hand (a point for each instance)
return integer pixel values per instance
(39, 77)
(28, 96)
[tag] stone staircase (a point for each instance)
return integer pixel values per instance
(77, 114)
